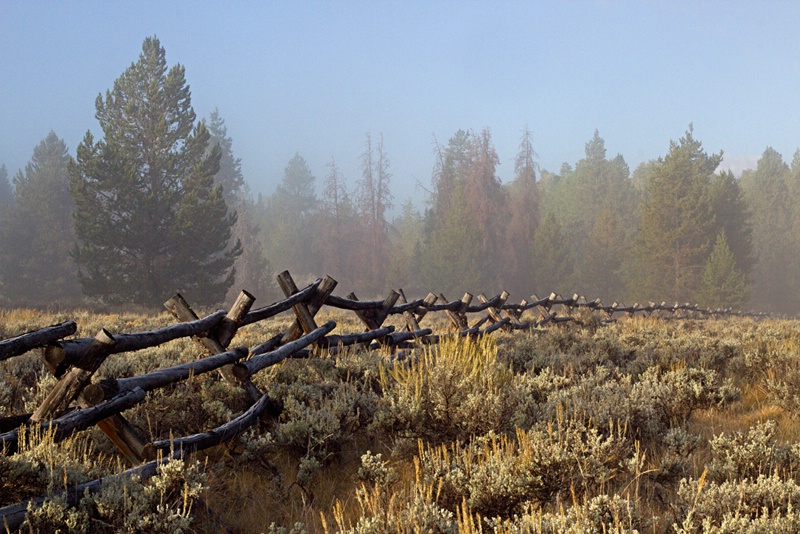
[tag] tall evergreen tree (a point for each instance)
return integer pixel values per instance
(287, 229)
(677, 223)
(37, 232)
(523, 205)
(450, 264)
(486, 201)
(552, 263)
(149, 219)
(724, 284)
(768, 194)
(253, 270)
(374, 200)
(337, 229)
(406, 245)
(230, 175)
(452, 166)
(604, 256)
(585, 192)
(733, 218)
(6, 193)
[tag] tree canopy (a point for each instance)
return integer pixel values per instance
(149, 219)
(36, 231)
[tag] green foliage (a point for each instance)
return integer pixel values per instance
(523, 206)
(36, 231)
(162, 504)
(724, 285)
(772, 197)
(450, 262)
(6, 193)
(552, 263)
(677, 222)
(454, 389)
(148, 217)
(252, 269)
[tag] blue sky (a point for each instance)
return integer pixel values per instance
(316, 77)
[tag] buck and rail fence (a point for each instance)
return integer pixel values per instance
(77, 403)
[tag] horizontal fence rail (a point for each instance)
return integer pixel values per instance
(76, 403)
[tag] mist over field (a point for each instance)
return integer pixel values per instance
(601, 148)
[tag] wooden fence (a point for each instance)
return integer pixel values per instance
(76, 403)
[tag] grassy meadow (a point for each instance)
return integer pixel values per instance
(643, 425)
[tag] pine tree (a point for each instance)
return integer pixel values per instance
(450, 264)
(733, 216)
(604, 256)
(148, 217)
(677, 223)
(254, 272)
(552, 264)
(337, 229)
(6, 193)
(768, 194)
(724, 284)
(373, 202)
(37, 233)
(230, 175)
(287, 226)
(523, 205)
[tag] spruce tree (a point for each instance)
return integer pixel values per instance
(148, 217)
(523, 205)
(37, 234)
(724, 284)
(677, 223)
(253, 270)
(553, 267)
(6, 193)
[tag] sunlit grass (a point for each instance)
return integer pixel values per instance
(459, 426)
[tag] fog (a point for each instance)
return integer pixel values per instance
(316, 81)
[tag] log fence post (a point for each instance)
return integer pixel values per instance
(304, 310)
(373, 319)
(234, 374)
(496, 313)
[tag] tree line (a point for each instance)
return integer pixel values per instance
(159, 203)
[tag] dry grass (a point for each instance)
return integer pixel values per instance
(481, 409)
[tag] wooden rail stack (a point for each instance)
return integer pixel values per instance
(76, 402)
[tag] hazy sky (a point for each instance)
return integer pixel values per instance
(316, 77)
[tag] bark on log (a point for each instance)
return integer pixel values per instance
(259, 362)
(266, 312)
(396, 338)
(75, 421)
(119, 431)
(178, 306)
(23, 343)
(169, 375)
(222, 433)
(411, 319)
(270, 344)
(320, 297)
(227, 328)
(344, 340)
(373, 318)
(73, 349)
(11, 517)
(72, 383)
(496, 312)
(429, 301)
(304, 316)
(457, 317)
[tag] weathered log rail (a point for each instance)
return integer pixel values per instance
(74, 361)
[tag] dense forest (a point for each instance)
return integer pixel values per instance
(159, 203)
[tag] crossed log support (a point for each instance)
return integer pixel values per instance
(215, 342)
